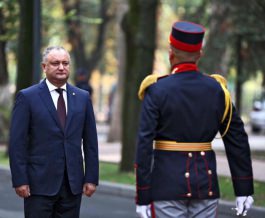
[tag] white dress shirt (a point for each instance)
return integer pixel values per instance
(55, 94)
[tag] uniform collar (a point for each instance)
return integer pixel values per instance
(183, 67)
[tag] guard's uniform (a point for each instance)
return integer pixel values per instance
(188, 107)
(181, 115)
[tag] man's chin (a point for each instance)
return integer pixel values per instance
(60, 81)
(62, 77)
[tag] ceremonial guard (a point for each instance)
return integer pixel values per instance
(181, 115)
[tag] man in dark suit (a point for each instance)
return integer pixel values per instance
(181, 114)
(52, 124)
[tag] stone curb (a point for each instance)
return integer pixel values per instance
(116, 189)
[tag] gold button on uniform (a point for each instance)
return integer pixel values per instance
(188, 194)
(190, 154)
(202, 153)
(187, 174)
(210, 193)
(209, 172)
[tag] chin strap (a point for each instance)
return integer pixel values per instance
(228, 101)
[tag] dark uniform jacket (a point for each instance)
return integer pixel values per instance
(188, 107)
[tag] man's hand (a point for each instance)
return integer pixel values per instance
(89, 189)
(143, 211)
(243, 204)
(23, 191)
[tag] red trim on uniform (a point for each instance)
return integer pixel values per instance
(153, 215)
(138, 188)
(183, 67)
(188, 171)
(184, 46)
(209, 175)
(197, 174)
(136, 195)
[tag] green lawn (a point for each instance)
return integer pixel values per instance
(110, 172)
(227, 192)
(3, 159)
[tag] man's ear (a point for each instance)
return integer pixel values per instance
(43, 66)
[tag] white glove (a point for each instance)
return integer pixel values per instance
(143, 211)
(243, 204)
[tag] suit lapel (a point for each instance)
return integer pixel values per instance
(71, 101)
(47, 99)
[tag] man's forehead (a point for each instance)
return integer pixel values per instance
(58, 54)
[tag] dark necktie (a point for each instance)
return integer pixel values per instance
(61, 110)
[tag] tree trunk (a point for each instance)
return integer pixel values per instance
(3, 61)
(25, 46)
(74, 30)
(139, 25)
(114, 134)
(263, 80)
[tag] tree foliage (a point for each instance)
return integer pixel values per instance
(8, 24)
(251, 30)
(3, 66)
(75, 16)
(234, 39)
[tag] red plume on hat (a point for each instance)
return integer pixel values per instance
(187, 36)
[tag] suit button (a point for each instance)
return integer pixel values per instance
(190, 154)
(202, 153)
(209, 172)
(187, 174)
(188, 194)
(210, 193)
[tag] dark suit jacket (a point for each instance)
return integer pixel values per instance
(188, 107)
(40, 150)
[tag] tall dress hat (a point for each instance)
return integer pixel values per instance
(187, 36)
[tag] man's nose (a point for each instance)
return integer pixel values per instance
(61, 67)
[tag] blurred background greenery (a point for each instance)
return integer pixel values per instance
(118, 42)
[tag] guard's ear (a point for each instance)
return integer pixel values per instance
(201, 54)
(171, 55)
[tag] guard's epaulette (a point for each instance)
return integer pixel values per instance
(228, 101)
(149, 80)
